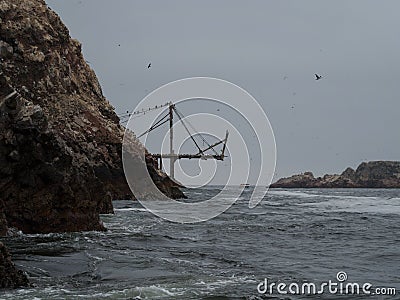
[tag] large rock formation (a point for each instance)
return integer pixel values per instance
(375, 174)
(60, 139)
(56, 128)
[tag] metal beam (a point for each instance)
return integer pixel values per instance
(225, 141)
(174, 156)
(171, 141)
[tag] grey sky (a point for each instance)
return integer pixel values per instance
(270, 48)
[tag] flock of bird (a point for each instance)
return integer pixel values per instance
(317, 77)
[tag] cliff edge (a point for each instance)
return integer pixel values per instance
(60, 139)
(374, 174)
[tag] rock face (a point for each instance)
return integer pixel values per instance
(56, 129)
(375, 174)
(60, 139)
(3, 221)
(9, 276)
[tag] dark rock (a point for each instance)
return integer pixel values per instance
(10, 277)
(349, 173)
(14, 155)
(5, 50)
(56, 172)
(375, 174)
(3, 221)
(306, 180)
(60, 139)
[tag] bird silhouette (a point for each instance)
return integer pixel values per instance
(317, 77)
(148, 67)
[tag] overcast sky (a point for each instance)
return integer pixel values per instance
(271, 49)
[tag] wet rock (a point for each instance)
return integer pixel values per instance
(10, 277)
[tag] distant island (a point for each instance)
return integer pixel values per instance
(374, 174)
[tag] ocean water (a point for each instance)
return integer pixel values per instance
(296, 235)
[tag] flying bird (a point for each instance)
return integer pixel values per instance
(317, 77)
(148, 67)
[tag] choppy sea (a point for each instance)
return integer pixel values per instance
(293, 236)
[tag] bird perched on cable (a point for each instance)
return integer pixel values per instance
(317, 77)
(148, 67)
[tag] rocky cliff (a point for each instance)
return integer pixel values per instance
(60, 139)
(375, 174)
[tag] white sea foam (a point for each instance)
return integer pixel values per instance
(292, 194)
(325, 194)
(359, 205)
(94, 256)
(222, 283)
(130, 209)
(178, 261)
(150, 292)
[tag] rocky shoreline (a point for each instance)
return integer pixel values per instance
(60, 139)
(374, 174)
